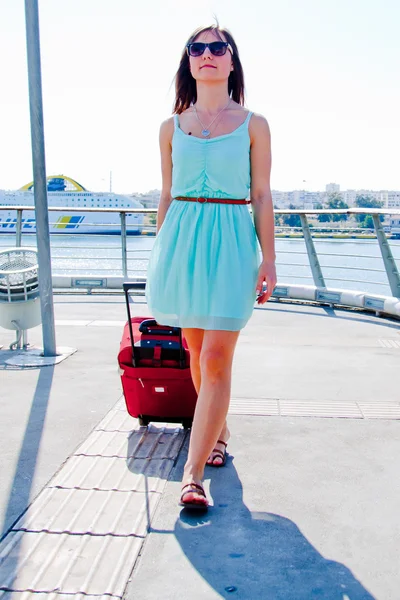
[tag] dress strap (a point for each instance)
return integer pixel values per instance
(176, 122)
(248, 117)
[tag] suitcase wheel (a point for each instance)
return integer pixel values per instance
(144, 421)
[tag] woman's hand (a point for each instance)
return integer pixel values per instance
(267, 274)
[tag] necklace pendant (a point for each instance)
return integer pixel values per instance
(205, 132)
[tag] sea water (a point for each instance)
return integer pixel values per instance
(350, 264)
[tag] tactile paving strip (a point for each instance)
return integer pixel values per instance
(254, 406)
(99, 512)
(290, 408)
(389, 344)
(380, 410)
(309, 408)
(83, 533)
(69, 564)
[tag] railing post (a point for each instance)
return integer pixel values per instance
(123, 245)
(388, 259)
(312, 253)
(39, 177)
(18, 237)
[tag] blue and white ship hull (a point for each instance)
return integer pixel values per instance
(75, 199)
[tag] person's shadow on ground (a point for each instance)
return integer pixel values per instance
(257, 556)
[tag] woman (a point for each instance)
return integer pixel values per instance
(204, 271)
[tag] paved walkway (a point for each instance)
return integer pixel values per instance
(307, 507)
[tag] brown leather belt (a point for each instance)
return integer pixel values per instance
(214, 200)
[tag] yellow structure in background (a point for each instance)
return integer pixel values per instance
(74, 185)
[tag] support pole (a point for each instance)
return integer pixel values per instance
(123, 246)
(312, 254)
(388, 259)
(18, 237)
(39, 176)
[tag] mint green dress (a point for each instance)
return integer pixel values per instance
(203, 267)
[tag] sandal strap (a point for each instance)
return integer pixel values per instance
(217, 454)
(194, 487)
(221, 442)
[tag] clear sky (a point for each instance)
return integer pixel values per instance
(325, 73)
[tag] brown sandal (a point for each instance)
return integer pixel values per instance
(195, 488)
(218, 454)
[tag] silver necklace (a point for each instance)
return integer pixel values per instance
(206, 130)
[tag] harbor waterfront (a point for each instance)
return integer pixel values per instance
(351, 264)
(73, 207)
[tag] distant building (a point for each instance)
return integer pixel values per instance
(394, 224)
(299, 198)
(390, 199)
(331, 188)
(280, 199)
(150, 199)
(349, 196)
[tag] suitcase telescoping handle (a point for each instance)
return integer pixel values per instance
(139, 285)
(127, 285)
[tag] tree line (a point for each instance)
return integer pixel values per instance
(335, 201)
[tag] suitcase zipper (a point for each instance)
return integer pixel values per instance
(141, 382)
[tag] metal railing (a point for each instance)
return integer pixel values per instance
(107, 265)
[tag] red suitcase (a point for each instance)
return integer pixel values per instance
(155, 371)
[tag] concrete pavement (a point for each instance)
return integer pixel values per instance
(306, 508)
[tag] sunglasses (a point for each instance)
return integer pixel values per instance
(216, 48)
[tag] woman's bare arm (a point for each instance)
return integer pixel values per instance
(261, 201)
(165, 139)
(260, 193)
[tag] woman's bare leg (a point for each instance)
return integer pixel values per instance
(194, 338)
(212, 403)
(215, 457)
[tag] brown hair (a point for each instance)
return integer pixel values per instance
(185, 84)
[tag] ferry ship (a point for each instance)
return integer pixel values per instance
(62, 191)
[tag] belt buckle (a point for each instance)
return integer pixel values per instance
(198, 200)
